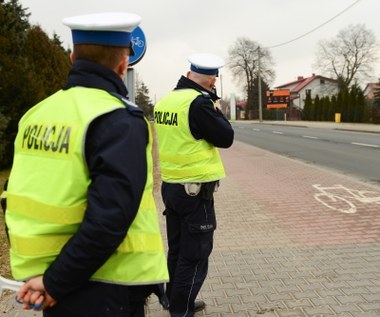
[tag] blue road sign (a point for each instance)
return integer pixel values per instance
(139, 46)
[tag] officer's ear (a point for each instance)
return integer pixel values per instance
(212, 83)
(123, 66)
(72, 57)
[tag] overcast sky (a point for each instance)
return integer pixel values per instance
(175, 29)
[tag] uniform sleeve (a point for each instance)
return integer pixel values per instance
(209, 123)
(116, 157)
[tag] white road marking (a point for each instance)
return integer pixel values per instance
(364, 144)
(256, 129)
(309, 137)
(277, 132)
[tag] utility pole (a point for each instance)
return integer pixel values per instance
(259, 86)
(130, 82)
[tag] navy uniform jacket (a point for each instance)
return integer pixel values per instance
(115, 151)
(205, 121)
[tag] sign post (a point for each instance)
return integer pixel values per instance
(139, 47)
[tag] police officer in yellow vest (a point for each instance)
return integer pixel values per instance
(83, 225)
(189, 129)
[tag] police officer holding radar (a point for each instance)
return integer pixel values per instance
(189, 129)
(83, 225)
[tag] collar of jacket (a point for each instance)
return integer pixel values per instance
(186, 83)
(85, 73)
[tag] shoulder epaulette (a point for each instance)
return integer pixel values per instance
(205, 94)
(131, 106)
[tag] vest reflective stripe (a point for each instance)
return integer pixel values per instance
(204, 155)
(188, 173)
(38, 246)
(49, 213)
(182, 157)
(52, 244)
(140, 242)
(44, 212)
(119, 265)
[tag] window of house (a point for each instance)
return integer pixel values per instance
(321, 81)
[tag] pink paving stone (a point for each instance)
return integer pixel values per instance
(283, 190)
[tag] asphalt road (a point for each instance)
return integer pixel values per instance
(348, 152)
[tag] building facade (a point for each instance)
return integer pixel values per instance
(315, 85)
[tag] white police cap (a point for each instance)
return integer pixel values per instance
(205, 63)
(109, 28)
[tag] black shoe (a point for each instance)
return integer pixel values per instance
(199, 305)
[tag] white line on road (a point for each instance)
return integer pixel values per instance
(364, 144)
(277, 132)
(309, 137)
(256, 129)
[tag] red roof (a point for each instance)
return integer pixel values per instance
(302, 82)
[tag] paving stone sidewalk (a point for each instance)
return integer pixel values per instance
(281, 252)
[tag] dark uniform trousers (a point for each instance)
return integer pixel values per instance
(190, 225)
(102, 300)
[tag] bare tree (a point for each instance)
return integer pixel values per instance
(349, 56)
(246, 59)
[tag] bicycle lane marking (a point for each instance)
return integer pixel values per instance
(343, 199)
(283, 188)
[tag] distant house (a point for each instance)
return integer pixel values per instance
(369, 91)
(316, 85)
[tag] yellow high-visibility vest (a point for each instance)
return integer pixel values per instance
(47, 192)
(182, 157)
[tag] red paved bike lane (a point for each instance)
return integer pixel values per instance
(283, 190)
